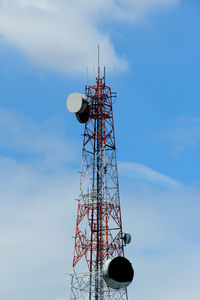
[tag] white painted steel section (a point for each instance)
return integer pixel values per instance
(83, 288)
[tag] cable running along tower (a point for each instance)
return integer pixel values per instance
(100, 270)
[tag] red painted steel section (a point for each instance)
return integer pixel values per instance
(104, 241)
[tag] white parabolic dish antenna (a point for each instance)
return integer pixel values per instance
(75, 102)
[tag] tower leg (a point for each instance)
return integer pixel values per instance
(83, 288)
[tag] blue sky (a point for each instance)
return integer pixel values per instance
(44, 49)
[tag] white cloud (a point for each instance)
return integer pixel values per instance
(63, 35)
(185, 133)
(165, 241)
(143, 173)
(44, 140)
(37, 209)
(36, 217)
(37, 221)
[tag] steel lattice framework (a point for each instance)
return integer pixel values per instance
(98, 227)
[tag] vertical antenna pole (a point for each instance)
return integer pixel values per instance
(115, 80)
(94, 75)
(98, 64)
(86, 78)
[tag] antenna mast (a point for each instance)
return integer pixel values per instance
(100, 270)
(98, 62)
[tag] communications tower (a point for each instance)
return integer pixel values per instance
(100, 270)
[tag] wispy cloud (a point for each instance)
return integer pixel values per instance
(185, 133)
(36, 229)
(165, 237)
(37, 222)
(63, 35)
(46, 140)
(37, 209)
(142, 173)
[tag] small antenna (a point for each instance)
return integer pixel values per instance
(86, 76)
(115, 79)
(98, 63)
(104, 75)
(94, 74)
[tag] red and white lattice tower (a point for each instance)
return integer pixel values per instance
(100, 270)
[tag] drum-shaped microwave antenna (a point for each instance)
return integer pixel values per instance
(118, 272)
(127, 238)
(78, 104)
